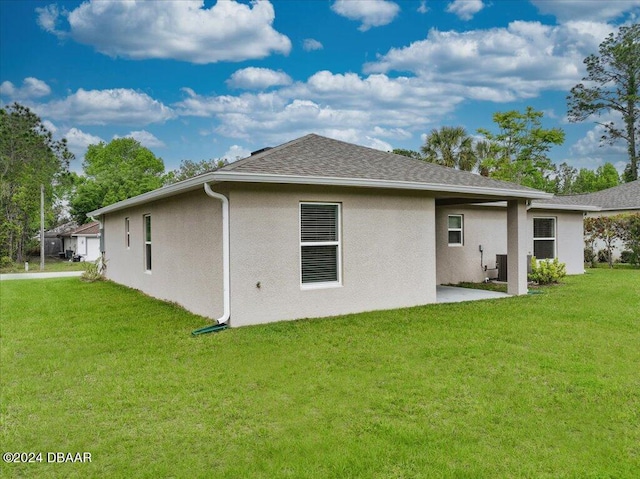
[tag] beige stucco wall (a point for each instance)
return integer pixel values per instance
(569, 237)
(388, 253)
(487, 226)
(482, 226)
(186, 251)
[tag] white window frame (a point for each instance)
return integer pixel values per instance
(461, 230)
(127, 232)
(148, 248)
(338, 244)
(554, 237)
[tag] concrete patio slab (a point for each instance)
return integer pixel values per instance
(453, 294)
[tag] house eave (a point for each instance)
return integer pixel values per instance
(373, 183)
(234, 177)
(545, 206)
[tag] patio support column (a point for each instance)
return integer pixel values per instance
(517, 247)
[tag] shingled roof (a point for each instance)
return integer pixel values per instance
(622, 197)
(315, 156)
(317, 160)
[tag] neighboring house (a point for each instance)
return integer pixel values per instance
(55, 238)
(318, 227)
(83, 241)
(621, 199)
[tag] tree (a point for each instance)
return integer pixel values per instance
(410, 153)
(605, 229)
(630, 234)
(569, 180)
(29, 157)
(450, 146)
(189, 169)
(114, 172)
(613, 83)
(518, 152)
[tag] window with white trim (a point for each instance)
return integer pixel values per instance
(455, 230)
(147, 242)
(127, 233)
(544, 238)
(320, 244)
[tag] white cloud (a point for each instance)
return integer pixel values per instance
(465, 9)
(48, 18)
(372, 13)
(499, 64)
(50, 126)
(253, 78)
(236, 152)
(31, 88)
(145, 138)
(310, 44)
(591, 151)
(592, 10)
(181, 30)
(423, 7)
(80, 140)
(101, 107)
(374, 109)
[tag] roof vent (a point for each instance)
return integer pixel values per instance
(261, 150)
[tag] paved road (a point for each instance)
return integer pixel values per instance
(66, 274)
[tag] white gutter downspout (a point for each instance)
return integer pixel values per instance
(225, 252)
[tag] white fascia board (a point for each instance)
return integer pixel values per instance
(230, 176)
(164, 192)
(545, 206)
(369, 183)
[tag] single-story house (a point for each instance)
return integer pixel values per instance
(83, 242)
(57, 238)
(621, 199)
(319, 227)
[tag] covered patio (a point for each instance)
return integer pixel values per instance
(453, 294)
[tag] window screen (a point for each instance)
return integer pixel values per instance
(544, 238)
(455, 229)
(147, 242)
(320, 243)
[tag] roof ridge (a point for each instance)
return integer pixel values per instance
(262, 154)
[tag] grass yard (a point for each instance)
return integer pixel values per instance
(51, 265)
(541, 386)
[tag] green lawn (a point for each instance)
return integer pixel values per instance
(50, 265)
(540, 386)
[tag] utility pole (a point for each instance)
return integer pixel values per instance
(42, 227)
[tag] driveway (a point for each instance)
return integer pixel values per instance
(66, 274)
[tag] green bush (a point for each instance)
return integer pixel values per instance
(603, 256)
(93, 271)
(5, 261)
(547, 271)
(590, 256)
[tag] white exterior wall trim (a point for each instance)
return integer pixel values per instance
(372, 183)
(220, 176)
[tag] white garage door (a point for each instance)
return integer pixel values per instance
(93, 249)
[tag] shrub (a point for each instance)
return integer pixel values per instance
(5, 261)
(93, 271)
(628, 257)
(603, 256)
(547, 271)
(590, 256)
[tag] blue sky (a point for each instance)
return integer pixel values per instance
(193, 80)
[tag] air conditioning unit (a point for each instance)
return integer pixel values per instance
(501, 266)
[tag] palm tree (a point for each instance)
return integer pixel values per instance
(450, 146)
